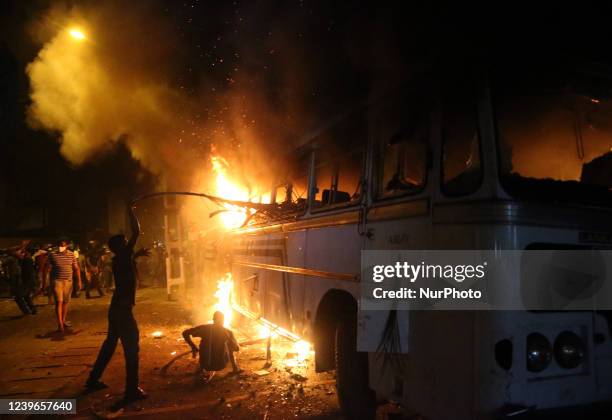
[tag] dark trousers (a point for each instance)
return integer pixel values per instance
(23, 296)
(121, 326)
(25, 304)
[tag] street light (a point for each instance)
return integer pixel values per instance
(77, 34)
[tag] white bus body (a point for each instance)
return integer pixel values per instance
(302, 272)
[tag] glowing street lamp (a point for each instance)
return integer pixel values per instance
(77, 34)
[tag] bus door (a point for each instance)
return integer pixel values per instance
(399, 215)
(270, 288)
(333, 241)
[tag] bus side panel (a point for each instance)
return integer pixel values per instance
(249, 289)
(408, 233)
(335, 249)
(296, 283)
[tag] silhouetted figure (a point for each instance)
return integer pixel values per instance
(28, 277)
(13, 267)
(93, 267)
(217, 345)
(41, 259)
(121, 322)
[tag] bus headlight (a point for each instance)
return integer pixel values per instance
(569, 350)
(539, 352)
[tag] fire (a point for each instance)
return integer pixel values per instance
(265, 331)
(224, 295)
(226, 187)
(300, 352)
(302, 349)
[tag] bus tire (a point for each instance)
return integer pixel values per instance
(357, 400)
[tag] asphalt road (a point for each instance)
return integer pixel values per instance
(38, 363)
(35, 362)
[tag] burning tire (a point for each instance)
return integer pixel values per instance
(356, 399)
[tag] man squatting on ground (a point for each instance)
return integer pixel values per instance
(217, 345)
(121, 322)
(62, 264)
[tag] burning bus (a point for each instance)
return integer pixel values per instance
(510, 159)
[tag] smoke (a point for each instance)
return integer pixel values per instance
(250, 79)
(109, 86)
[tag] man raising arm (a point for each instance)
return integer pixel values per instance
(121, 322)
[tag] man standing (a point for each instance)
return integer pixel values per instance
(107, 270)
(28, 276)
(62, 264)
(121, 322)
(42, 263)
(12, 268)
(217, 345)
(93, 269)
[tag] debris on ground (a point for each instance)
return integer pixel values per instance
(262, 372)
(170, 379)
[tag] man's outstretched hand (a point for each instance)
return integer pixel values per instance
(142, 252)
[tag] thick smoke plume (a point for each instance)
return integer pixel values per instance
(123, 82)
(249, 78)
(110, 86)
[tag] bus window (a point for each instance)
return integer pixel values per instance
(326, 176)
(297, 188)
(339, 164)
(554, 133)
(405, 147)
(349, 174)
(405, 165)
(461, 166)
(281, 194)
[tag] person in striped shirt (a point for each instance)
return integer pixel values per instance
(62, 263)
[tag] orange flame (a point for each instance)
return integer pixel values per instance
(228, 188)
(223, 294)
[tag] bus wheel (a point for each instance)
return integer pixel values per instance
(356, 399)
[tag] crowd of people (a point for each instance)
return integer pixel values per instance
(27, 271)
(53, 270)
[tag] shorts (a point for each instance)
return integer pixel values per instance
(62, 290)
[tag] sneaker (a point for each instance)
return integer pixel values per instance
(95, 385)
(128, 398)
(136, 395)
(206, 377)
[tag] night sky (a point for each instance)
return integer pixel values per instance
(304, 60)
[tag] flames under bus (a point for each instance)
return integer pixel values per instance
(516, 159)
